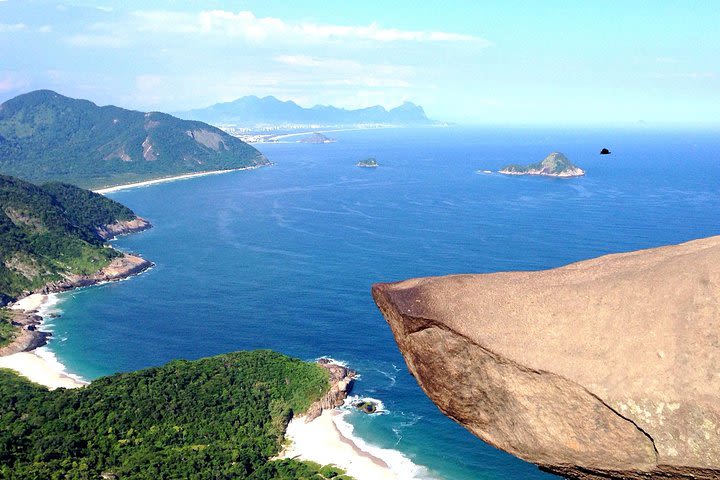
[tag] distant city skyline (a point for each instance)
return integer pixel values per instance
(472, 62)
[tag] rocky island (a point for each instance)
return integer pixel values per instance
(606, 368)
(554, 165)
(316, 138)
(367, 163)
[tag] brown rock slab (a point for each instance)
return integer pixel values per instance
(606, 368)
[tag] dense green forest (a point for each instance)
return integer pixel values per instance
(49, 230)
(216, 418)
(45, 136)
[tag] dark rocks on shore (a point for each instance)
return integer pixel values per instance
(366, 406)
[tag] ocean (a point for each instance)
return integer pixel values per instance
(283, 257)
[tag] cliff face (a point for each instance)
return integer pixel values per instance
(607, 368)
(118, 269)
(123, 227)
(341, 381)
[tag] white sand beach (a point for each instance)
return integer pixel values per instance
(30, 303)
(116, 188)
(38, 370)
(321, 441)
(36, 365)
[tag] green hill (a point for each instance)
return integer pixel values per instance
(45, 136)
(49, 231)
(216, 418)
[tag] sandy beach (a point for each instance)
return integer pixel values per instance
(33, 365)
(38, 370)
(321, 441)
(116, 188)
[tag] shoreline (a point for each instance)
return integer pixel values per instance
(185, 176)
(38, 365)
(34, 360)
(328, 440)
(321, 441)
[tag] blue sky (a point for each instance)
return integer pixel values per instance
(503, 62)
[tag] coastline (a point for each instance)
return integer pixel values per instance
(321, 441)
(185, 176)
(28, 354)
(39, 365)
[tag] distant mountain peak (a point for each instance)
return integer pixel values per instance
(250, 111)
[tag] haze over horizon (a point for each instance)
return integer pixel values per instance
(468, 62)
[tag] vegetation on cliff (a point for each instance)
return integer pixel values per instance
(45, 136)
(218, 417)
(50, 231)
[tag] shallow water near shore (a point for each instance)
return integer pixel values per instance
(283, 257)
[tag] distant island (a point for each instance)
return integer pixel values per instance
(316, 137)
(45, 136)
(367, 163)
(271, 113)
(604, 151)
(554, 165)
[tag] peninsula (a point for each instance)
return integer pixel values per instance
(606, 368)
(221, 417)
(54, 238)
(554, 165)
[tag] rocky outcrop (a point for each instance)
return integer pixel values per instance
(123, 227)
(607, 368)
(341, 381)
(122, 267)
(28, 337)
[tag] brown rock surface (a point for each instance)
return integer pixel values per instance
(123, 227)
(341, 382)
(606, 368)
(119, 268)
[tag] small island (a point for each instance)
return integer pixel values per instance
(316, 137)
(604, 151)
(554, 165)
(367, 163)
(366, 406)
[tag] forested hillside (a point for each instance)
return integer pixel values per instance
(49, 231)
(45, 136)
(216, 418)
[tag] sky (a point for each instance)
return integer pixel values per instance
(471, 62)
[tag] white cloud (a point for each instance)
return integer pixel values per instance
(12, 27)
(45, 29)
(246, 25)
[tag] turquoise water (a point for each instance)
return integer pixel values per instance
(284, 257)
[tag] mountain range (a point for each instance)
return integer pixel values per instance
(254, 111)
(45, 136)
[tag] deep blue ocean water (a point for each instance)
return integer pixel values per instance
(284, 257)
